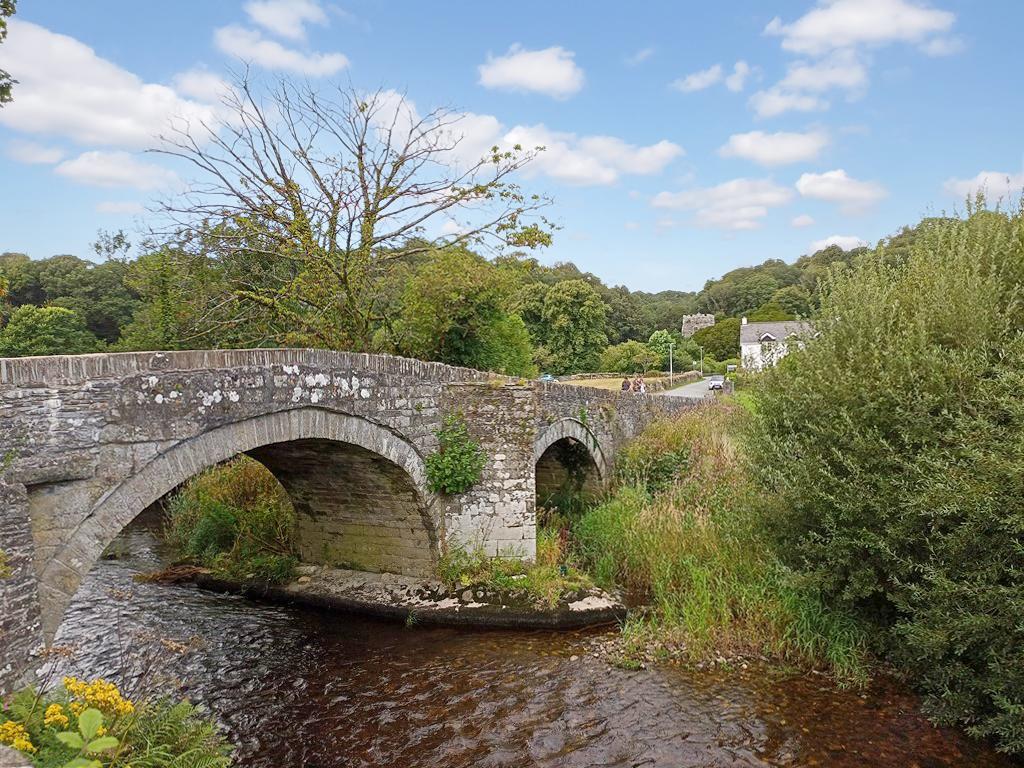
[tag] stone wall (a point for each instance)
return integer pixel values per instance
(693, 323)
(20, 626)
(498, 513)
(95, 439)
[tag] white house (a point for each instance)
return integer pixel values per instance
(762, 345)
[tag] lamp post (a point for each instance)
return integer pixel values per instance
(702, 361)
(670, 345)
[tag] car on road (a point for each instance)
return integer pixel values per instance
(716, 382)
(547, 377)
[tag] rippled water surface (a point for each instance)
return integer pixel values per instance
(296, 687)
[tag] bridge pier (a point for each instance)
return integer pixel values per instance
(21, 628)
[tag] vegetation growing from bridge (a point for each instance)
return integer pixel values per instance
(456, 465)
(237, 520)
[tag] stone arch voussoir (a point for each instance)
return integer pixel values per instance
(166, 471)
(578, 431)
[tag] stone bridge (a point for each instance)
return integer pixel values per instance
(88, 442)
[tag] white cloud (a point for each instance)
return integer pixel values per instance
(34, 154)
(733, 205)
(835, 35)
(120, 208)
(698, 81)
(995, 184)
(590, 160)
(629, 158)
(801, 221)
(639, 57)
(550, 71)
(203, 85)
(567, 157)
(943, 46)
(286, 18)
(67, 90)
(846, 242)
(775, 148)
(836, 24)
(250, 46)
(775, 101)
(740, 72)
(836, 186)
(841, 70)
(115, 169)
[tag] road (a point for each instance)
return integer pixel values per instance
(698, 388)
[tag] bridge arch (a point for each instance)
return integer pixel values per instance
(568, 460)
(290, 443)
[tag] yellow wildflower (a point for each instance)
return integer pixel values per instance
(15, 735)
(101, 694)
(54, 715)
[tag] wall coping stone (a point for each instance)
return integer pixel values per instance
(75, 369)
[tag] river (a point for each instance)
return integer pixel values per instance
(301, 688)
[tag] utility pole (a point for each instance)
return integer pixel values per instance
(702, 361)
(670, 345)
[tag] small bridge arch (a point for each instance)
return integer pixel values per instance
(569, 463)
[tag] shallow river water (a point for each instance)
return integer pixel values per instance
(297, 687)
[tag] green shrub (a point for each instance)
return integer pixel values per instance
(690, 543)
(545, 581)
(892, 450)
(456, 465)
(237, 519)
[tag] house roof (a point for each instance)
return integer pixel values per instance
(754, 333)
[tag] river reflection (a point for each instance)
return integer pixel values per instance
(296, 687)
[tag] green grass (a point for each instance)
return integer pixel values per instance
(693, 548)
(237, 520)
(545, 581)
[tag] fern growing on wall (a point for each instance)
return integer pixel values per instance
(456, 465)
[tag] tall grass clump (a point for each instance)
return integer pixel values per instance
(893, 447)
(237, 519)
(687, 541)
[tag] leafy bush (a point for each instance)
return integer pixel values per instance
(456, 465)
(685, 536)
(46, 331)
(237, 519)
(92, 724)
(629, 357)
(892, 449)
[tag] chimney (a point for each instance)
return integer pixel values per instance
(743, 321)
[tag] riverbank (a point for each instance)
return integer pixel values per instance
(297, 686)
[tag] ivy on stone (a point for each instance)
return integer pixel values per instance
(456, 465)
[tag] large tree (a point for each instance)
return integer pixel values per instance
(316, 196)
(574, 319)
(453, 311)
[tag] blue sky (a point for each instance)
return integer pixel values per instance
(681, 141)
